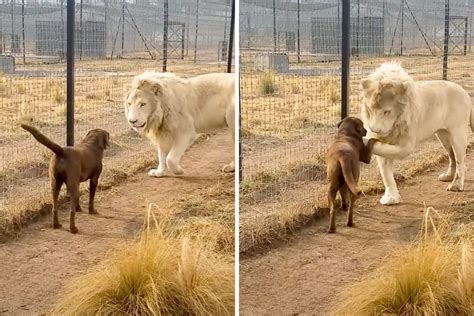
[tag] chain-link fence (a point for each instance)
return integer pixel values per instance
(291, 99)
(115, 40)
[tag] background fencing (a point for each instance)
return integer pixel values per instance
(290, 91)
(115, 40)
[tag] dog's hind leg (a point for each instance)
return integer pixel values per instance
(332, 192)
(92, 188)
(459, 142)
(73, 188)
(447, 176)
(350, 210)
(345, 197)
(55, 189)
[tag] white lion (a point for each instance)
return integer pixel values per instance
(171, 111)
(402, 113)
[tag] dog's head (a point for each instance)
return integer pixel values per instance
(352, 125)
(100, 137)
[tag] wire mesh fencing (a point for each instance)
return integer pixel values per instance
(291, 99)
(115, 40)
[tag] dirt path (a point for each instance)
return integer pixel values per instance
(35, 267)
(304, 275)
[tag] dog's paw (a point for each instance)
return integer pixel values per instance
(390, 198)
(229, 167)
(156, 173)
(73, 230)
(446, 177)
(455, 187)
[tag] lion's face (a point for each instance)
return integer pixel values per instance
(382, 104)
(142, 105)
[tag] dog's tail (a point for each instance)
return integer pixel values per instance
(58, 150)
(349, 177)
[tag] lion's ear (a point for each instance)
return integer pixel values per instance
(403, 87)
(367, 84)
(154, 86)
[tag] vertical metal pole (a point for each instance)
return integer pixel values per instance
(123, 25)
(345, 56)
(358, 27)
(165, 35)
(446, 40)
(23, 30)
(465, 35)
(81, 32)
(231, 39)
(12, 3)
(183, 31)
(106, 20)
(188, 11)
(70, 73)
(274, 28)
(63, 49)
(298, 33)
(196, 33)
(401, 33)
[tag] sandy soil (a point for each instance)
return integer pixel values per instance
(304, 275)
(36, 266)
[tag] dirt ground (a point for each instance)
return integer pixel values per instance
(304, 275)
(36, 266)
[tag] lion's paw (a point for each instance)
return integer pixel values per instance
(178, 170)
(446, 177)
(156, 173)
(390, 198)
(229, 168)
(455, 186)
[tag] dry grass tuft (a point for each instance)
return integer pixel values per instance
(20, 88)
(267, 83)
(57, 94)
(435, 276)
(159, 274)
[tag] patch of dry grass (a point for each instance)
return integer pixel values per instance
(159, 274)
(434, 276)
(267, 83)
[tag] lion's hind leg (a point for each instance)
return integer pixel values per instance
(447, 176)
(459, 142)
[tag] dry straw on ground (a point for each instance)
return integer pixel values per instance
(434, 276)
(162, 273)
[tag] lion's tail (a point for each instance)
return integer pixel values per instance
(58, 150)
(472, 119)
(349, 177)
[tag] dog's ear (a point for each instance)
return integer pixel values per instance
(106, 140)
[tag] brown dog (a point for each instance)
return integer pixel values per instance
(73, 165)
(343, 166)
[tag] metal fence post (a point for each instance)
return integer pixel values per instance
(231, 38)
(23, 30)
(446, 39)
(298, 33)
(274, 28)
(70, 73)
(165, 35)
(196, 33)
(345, 56)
